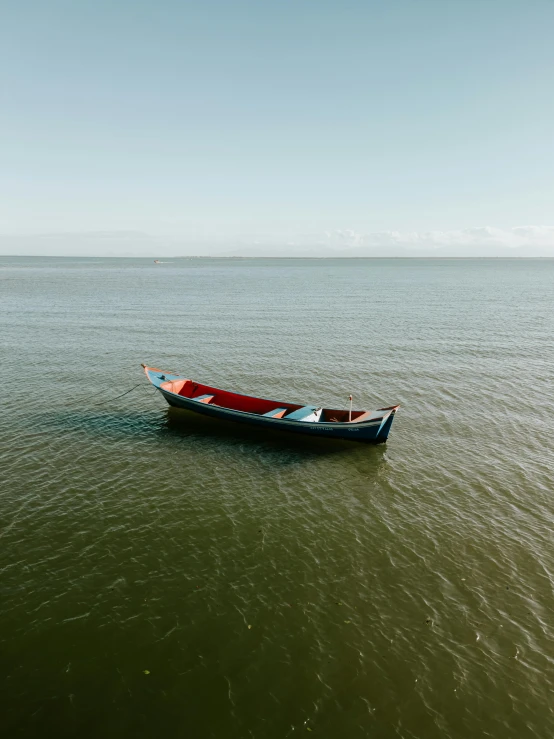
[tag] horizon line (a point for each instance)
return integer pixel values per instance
(212, 256)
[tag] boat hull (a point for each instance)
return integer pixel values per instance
(370, 433)
(374, 431)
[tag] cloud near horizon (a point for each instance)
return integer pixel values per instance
(478, 241)
(482, 236)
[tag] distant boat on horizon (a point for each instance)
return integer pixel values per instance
(157, 261)
(353, 425)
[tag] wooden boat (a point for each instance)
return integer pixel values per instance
(354, 425)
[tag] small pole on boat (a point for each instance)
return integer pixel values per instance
(350, 411)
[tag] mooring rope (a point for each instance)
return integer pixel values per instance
(108, 400)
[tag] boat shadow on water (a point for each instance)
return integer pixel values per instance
(182, 423)
(181, 427)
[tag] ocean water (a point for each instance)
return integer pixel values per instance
(162, 575)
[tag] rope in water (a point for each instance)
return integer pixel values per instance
(108, 400)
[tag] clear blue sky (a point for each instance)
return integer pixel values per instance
(227, 119)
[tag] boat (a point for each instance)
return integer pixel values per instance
(371, 427)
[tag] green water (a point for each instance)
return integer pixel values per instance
(165, 576)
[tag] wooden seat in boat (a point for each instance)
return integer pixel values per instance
(204, 398)
(276, 413)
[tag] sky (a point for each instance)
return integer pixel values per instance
(298, 126)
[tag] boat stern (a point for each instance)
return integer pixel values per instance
(386, 423)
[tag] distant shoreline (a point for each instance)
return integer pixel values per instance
(287, 258)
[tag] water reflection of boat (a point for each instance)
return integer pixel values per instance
(353, 425)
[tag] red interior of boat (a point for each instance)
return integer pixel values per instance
(226, 399)
(249, 404)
